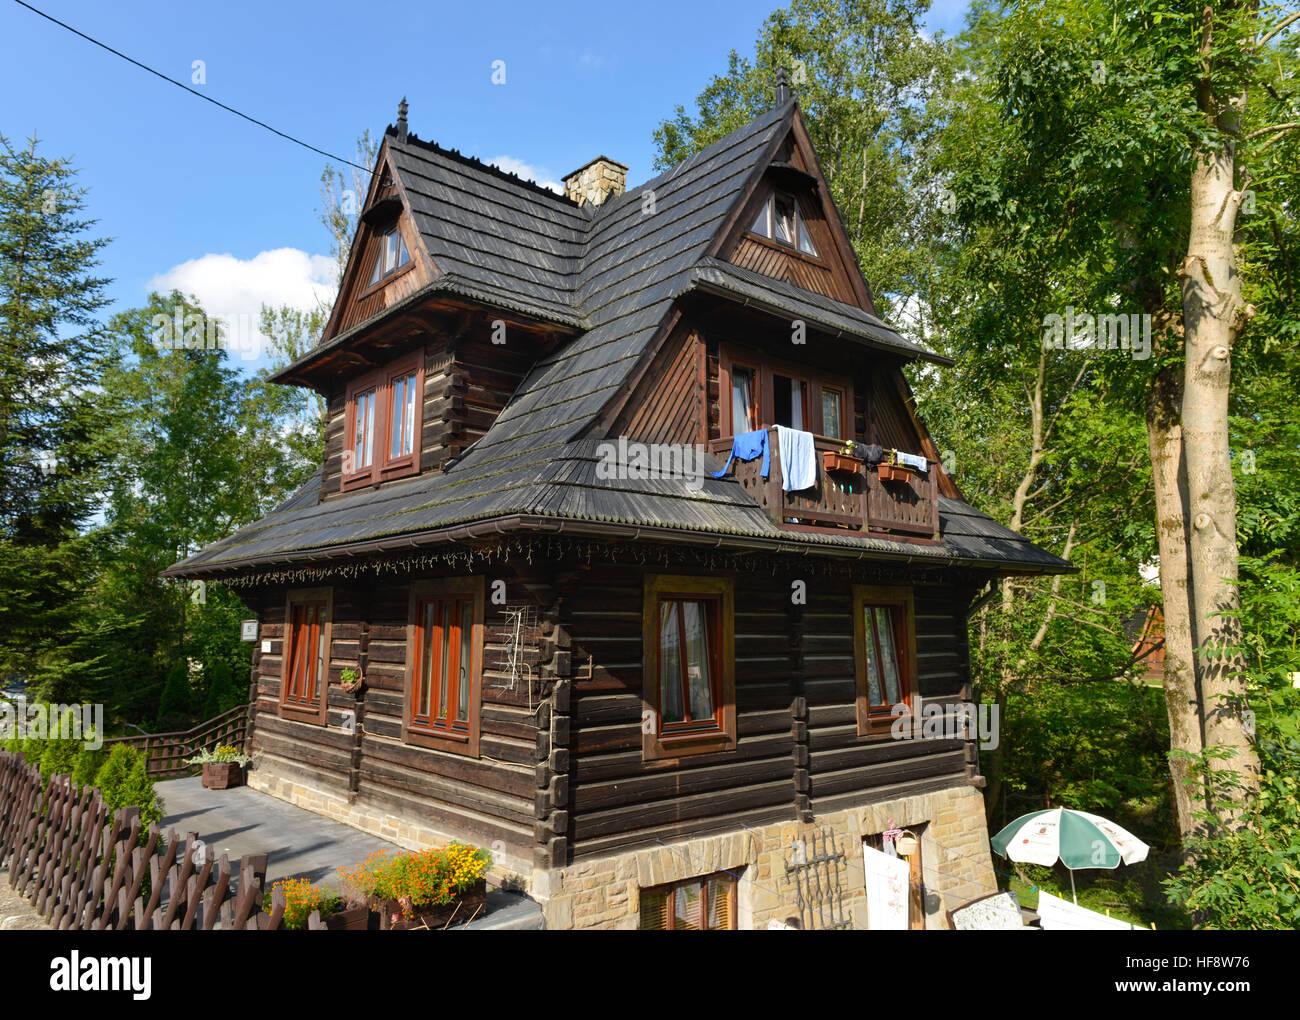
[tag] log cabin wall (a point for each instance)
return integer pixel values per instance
(466, 384)
(797, 750)
(489, 800)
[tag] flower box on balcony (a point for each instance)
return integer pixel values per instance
(833, 460)
(894, 473)
(221, 775)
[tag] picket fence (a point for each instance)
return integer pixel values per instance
(84, 866)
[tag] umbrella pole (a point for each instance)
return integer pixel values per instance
(1072, 892)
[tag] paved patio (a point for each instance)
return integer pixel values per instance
(298, 843)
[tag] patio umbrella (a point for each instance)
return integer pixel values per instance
(1075, 838)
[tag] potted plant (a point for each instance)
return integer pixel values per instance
(424, 888)
(893, 472)
(845, 459)
(222, 767)
(351, 680)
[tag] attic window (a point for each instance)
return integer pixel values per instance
(391, 257)
(781, 220)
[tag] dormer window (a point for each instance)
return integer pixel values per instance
(391, 256)
(381, 438)
(781, 220)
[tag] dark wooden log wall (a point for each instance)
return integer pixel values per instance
(466, 384)
(486, 799)
(797, 746)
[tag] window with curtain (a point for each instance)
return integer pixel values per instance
(305, 674)
(391, 256)
(402, 416)
(697, 904)
(689, 665)
(832, 404)
(363, 431)
(744, 400)
(884, 644)
(385, 411)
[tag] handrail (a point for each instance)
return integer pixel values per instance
(166, 753)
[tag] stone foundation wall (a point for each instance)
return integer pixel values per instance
(604, 892)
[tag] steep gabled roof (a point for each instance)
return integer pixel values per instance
(614, 272)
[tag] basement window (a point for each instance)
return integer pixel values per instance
(697, 904)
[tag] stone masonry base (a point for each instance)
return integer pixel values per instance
(604, 892)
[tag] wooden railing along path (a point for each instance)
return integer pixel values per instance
(84, 866)
(165, 754)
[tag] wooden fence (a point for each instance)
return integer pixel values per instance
(84, 866)
(165, 754)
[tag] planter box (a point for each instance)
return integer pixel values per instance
(833, 461)
(221, 775)
(894, 473)
(460, 909)
(354, 919)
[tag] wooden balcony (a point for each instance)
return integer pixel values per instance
(856, 501)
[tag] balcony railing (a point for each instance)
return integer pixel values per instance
(857, 500)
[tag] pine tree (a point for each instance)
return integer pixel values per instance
(174, 710)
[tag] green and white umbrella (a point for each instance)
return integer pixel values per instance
(1075, 838)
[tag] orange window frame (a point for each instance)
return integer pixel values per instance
(430, 643)
(384, 466)
(721, 884)
(306, 655)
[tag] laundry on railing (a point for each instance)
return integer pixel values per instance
(911, 460)
(798, 453)
(747, 446)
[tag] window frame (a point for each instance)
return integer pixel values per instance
(430, 736)
(382, 467)
(728, 879)
(659, 745)
(765, 368)
(875, 720)
(768, 213)
(378, 236)
(308, 713)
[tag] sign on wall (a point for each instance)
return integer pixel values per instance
(247, 630)
(887, 890)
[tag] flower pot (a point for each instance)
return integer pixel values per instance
(434, 916)
(894, 473)
(834, 461)
(354, 687)
(352, 919)
(221, 775)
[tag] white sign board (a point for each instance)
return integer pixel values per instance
(247, 630)
(887, 890)
(1056, 914)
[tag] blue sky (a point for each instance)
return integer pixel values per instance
(195, 196)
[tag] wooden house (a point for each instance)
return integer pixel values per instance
(663, 699)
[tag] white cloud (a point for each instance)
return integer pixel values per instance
(235, 289)
(528, 172)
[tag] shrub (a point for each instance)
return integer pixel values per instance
(124, 782)
(222, 695)
(87, 766)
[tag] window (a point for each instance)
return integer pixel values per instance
(382, 424)
(781, 220)
(391, 256)
(688, 666)
(304, 676)
(774, 392)
(697, 904)
(832, 413)
(444, 655)
(744, 399)
(884, 646)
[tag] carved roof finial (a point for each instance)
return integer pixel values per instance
(401, 120)
(782, 86)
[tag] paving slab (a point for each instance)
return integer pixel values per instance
(298, 843)
(16, 914)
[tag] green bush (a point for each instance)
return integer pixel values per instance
(124, 782)
(88, 765)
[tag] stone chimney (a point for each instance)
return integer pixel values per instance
(596, 181)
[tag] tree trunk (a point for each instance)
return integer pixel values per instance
(1212, 316)
(1182, 698)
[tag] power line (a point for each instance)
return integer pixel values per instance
(193, 92)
